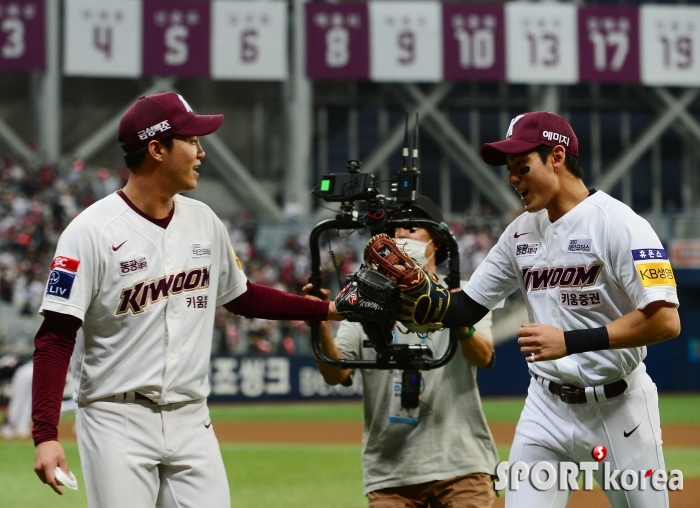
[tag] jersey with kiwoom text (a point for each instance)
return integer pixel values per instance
(595, 264)
(146, 296)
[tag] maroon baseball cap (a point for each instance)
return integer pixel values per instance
(160, 115)
(527, 132)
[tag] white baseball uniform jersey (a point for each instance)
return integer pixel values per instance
(146, 296)
(595, 264)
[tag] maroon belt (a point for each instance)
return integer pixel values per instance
(576, 395)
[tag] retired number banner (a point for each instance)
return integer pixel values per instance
(22, 35)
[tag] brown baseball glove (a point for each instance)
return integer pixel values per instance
(423, 301)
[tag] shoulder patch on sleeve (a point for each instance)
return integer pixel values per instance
(60, 284)
(649, 254)
(657, 273)
(65, 263)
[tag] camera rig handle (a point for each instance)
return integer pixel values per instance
(390, 356)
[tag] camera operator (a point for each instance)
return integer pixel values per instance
(441, 453)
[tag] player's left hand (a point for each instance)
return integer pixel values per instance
(325, 296)
(547, 342)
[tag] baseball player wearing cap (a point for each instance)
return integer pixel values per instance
(440, 454)
(599, 288)
(142, 271)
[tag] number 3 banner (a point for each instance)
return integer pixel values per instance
(22, 35)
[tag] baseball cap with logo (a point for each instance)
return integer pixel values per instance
(527, 132)
(161, 115)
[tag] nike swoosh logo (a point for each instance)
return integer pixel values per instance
(115, 249)
(628, 434)
(207, 425)
(516, 235)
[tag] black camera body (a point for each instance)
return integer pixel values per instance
(384, 215)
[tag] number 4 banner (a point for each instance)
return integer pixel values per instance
(103, 38)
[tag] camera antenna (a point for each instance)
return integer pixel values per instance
(414, 162)
(406, 149)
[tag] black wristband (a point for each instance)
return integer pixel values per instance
(582, 341)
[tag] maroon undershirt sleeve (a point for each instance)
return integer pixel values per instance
(267, 303)
(53, 347)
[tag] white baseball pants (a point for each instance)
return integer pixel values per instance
(553, 431)
(136, 454)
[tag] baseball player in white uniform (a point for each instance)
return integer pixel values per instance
(142, 271)
(599, 288)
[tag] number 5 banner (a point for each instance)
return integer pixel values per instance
(249, 40)
(22, 35)
(176, 38)
(103, 38)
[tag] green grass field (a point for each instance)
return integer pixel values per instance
(296, 476)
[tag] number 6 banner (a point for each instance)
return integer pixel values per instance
(249, 40)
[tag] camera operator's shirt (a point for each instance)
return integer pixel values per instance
(595, 264)
(451, 438)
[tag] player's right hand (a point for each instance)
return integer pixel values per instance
(50, 454)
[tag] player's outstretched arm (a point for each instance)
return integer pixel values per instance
(268, 303)
(331, 375)
(50, 454)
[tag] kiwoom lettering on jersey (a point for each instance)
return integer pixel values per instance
(579, 245)
(555, 136)
(526, 249)
(136, 298)
(541, 279)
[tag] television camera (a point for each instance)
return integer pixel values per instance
(383, 215)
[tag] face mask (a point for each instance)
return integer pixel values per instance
(415, 249)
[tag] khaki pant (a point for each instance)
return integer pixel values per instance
(470, 491)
